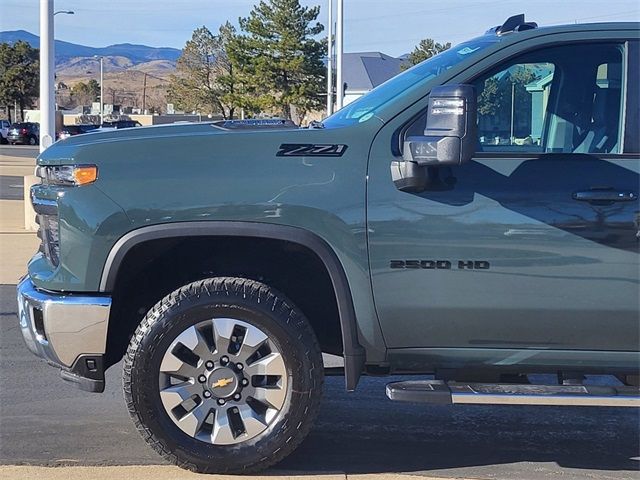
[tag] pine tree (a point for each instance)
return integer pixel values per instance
(204, 79)
(279, 60)
(426, 49)
(19, 75)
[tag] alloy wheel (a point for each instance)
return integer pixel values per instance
(223, 381)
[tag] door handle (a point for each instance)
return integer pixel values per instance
(604, 195)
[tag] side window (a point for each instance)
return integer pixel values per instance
(556, 100)
(512, 105)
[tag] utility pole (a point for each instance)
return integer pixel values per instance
(144, 95)
(101, 88)
(330, 61)
(47, 71)
(339, 53)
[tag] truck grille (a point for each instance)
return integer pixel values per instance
(48, 222)
(48, 234)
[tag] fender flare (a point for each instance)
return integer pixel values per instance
(353, 352)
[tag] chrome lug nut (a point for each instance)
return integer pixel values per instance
(209, 365)
(221, 401)
(224, 360)
(237, 397)
(245, 382)
(239, 366)
(202, 379)
(206, 394)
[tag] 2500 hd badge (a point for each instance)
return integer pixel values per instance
(441, 264)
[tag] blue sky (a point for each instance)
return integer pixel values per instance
(390, 26)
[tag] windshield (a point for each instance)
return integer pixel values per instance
(364, 108)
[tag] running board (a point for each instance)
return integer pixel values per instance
(439, 392)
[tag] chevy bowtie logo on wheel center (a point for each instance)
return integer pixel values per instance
(223, 382)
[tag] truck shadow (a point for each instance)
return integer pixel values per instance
(364, 432)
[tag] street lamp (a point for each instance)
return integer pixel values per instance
(330, 60)
(101, 58)
(47, 74)
(339, 55)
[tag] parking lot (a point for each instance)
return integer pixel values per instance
(45, 422)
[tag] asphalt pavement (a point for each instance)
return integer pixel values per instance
(46, 422)
(22, 151)
(11, 187)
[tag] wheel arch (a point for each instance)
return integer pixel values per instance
(353, 352)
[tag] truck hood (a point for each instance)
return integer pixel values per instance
(68, 150)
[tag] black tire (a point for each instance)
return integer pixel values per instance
(255, 303)
(33, 140)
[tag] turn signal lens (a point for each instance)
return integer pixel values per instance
(85, 174)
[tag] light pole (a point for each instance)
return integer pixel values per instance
(47, 74)
(330, 61)
(101, 87)
(339, 52)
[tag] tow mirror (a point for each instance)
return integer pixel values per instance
(449, 136)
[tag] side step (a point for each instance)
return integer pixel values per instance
(439, 392)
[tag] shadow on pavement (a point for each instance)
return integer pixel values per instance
(366, 433)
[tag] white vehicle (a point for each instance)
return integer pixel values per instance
(4, 130)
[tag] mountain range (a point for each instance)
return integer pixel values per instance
(65, 51)
(127, 67)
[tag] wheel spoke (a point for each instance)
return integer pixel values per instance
(272, 397)
(172, 365)
(194, 340)
(222, 433)
(253, 422)
(272, 364)
(176, 394)
(222, 332)
(253, 340)
(192, 422)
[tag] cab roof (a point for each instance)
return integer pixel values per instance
(517, 24)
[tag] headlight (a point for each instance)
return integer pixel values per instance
(72, 175)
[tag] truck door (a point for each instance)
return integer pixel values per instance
(533, 244)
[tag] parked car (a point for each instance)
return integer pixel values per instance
(71, 130)
(121, 124)
(221, 261)
(4, 130)
(27, 133)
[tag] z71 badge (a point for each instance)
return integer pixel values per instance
(311, 150)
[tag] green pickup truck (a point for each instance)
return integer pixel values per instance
(474, 220)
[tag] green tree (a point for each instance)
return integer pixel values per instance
(279, 60)
(205, 79)
(85, 93)
(426, 49)
(495, 97)
(19, 75)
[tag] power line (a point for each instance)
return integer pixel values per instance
(430, 10)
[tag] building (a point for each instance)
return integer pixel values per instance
(363, 71)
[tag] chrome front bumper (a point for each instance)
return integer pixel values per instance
(64, 328)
